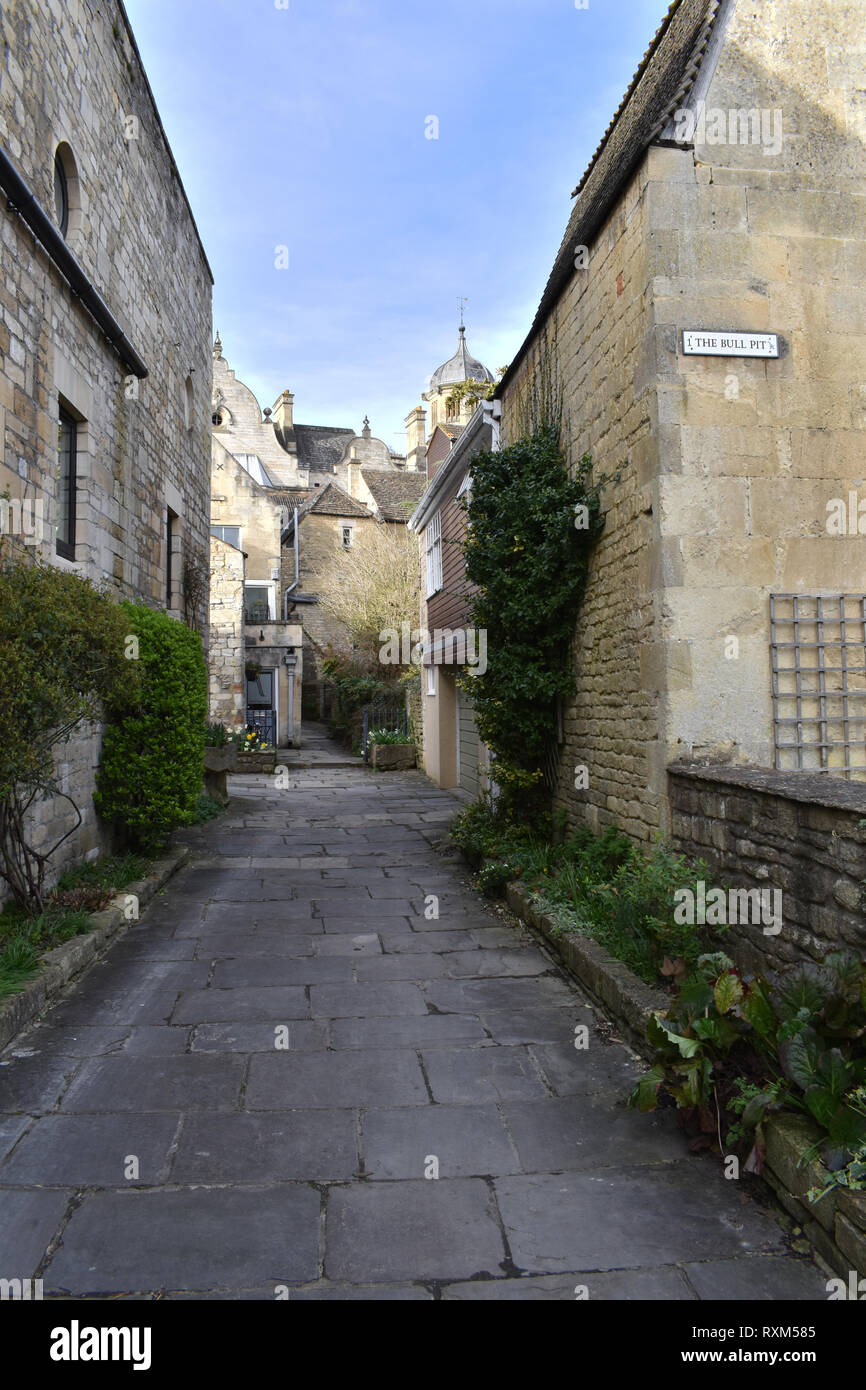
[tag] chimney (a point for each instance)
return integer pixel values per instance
(416, 448)
(283, 411)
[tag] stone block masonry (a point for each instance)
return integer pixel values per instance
(797, 832)
(73, 91)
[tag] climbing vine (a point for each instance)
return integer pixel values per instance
(531, 528)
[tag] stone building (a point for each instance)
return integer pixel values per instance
(454, 756)
(463, 424)
(105, 332)
(288, 499)
(255, 662)
(727, 197)
(451, 400)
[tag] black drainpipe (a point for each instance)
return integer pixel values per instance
(25, 204)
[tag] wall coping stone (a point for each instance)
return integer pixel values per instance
(815, 788)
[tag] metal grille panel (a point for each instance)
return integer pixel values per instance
(818, 650)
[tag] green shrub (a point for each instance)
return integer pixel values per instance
(730, 1049)
(152, 765)
(389, 736)
(527, 556)
(62, 659)
(216, 736)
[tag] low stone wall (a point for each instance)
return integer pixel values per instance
(795, 832)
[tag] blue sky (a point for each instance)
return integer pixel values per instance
(303, 124)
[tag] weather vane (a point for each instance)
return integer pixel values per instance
(460, 302)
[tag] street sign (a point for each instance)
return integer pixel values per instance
(725, 342)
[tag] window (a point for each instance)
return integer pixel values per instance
(259, 603)
(347, 537)
(230, 534)
(188, 404)
(61, 195)
(67, 449)
(431, 680)
(433, 546)
(67, 191)
(170, 530)
(256, 469)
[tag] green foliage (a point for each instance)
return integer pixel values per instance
(389, 736)
(600, 885)
(350, 691)
(80, 892)
(207, 808)
(151, 774)
(737, 1047)
(61, 661)
(216, 736)
(529, 562)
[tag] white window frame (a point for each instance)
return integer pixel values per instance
(272, 597)
(433, 552)
(431, 680)
(344, 527)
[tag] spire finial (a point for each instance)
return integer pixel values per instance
(217, 346)
(461, 303)
(365, 431)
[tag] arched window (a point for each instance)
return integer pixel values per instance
(188, 403)
(67, 191)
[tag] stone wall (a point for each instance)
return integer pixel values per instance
(727, 466)
(595, 344)
(796, 832)
(226, 654)
(320, 550)
(70, 76)
(770, 237)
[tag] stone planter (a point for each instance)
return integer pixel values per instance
(255, 762)
(391, 757)
(218, 762)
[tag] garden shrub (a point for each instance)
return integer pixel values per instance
(732, 1048)
(61, 662)
(531, 529)
(152, 769)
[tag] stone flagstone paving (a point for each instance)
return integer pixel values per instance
(156, 1141)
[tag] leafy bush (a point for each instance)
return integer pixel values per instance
(152, 766)
(389, 736)
(600, 885)
(528, 558)
(62, 644)
(737, 1048)
(216, 736)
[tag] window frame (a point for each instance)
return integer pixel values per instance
(433, 554)
(63, 546)
(350, 532)
(170, 518)
(61, 184)
(270, 586)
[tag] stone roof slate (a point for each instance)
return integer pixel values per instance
(321, 447)
(333, 501)
(395, 494)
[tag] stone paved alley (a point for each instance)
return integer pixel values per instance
(408, 1040)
